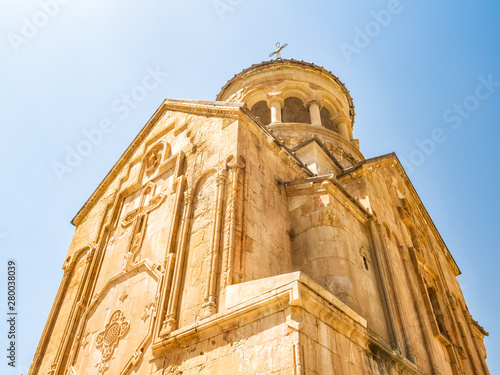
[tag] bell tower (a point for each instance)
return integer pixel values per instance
(296, 101)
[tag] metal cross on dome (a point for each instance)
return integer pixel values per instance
(278, 50)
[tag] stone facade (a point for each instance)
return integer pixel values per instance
(250, 236)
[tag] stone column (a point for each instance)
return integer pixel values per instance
(49, 327)
(170, 322)
(81, 301)
(342, 123)
(275, 104)
(210, 304)
(419, 307)
(169, 263)
(378, 250)
(314, 112)
(394, 287)
(235, 220)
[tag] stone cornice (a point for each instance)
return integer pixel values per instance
(327, 184)
(265, 296)
(254, 300)
(317, 130)
(322, 146)
(480, 331)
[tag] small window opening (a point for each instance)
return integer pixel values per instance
(366, 263)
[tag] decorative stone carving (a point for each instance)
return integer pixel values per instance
(239, 95)
(416, 239)
(71, 261)
(138, 234)
(139, 217)
(52, 369)
(210, 304)
(173, 370)
(85, 339)
(153, 159)
(102, 367)
(68, 267)
(170, 322)
(123, 296)
(148, 311)
(328, 218)
(109, 337)
(236, 166)
(315, 96)
(90, 255)
(155, 201)
(129, 218)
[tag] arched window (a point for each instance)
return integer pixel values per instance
(294, 111)
(262, 112)
(326, 119)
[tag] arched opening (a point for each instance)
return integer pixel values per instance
(326, 119)
(294, 111)
(365, 262)
(262, 112)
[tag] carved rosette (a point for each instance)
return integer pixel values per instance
(115, 329)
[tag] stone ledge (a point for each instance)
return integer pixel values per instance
(256, 299)
(254, 291)
(320, 132)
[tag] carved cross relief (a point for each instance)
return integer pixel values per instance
(138, 217)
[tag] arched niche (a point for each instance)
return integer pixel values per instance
(262, 112)
(197, 263)
(295, 111)
(326, 119)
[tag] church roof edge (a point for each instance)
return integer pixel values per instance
(405, 176)
(140, 137)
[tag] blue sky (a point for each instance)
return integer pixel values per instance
(69, 65)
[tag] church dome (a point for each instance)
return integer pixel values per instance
(297, 100)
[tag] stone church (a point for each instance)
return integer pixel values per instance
(249, 235)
